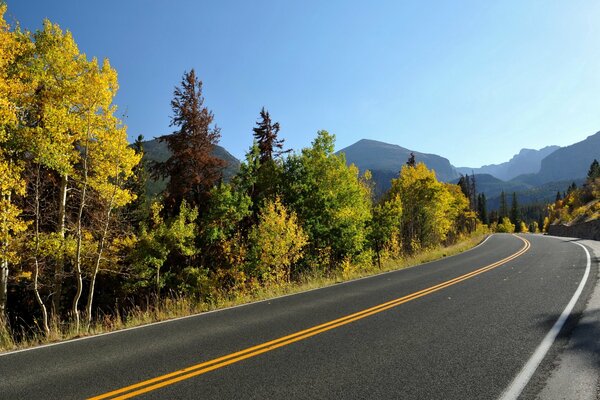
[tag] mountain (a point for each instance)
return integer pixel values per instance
(528, 161)
(159, 152)
(384, 160)
(567, 163)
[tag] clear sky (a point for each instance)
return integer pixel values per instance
(473, 81)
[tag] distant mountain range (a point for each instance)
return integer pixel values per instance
(385, 160)
(528, 161)
(535, 175)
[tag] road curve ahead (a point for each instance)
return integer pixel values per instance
(458, 328)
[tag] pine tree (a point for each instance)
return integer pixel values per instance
(559, 196)
(503, 212)
(514, 210)
(139, 209)
(482, 208)
(594, 171)
(192, 169)
(265, 135)
(411, 160)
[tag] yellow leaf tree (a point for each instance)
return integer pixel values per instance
(12, 46)
(276, 243)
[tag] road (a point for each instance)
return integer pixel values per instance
(459, 328)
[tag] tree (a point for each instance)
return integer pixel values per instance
(160, 240)
(11, 181)
(227, 209)
(594, 171)
(467, 185)
(514, 209)
(425, 204)
(192, 169)
(268, 173)
(503, 211)
(276, 243)
(386, 225)
(411, 160)
(482, 208)
(505, 226)
(139, 208)
(265, 134)
(52, 122)
(331, 200)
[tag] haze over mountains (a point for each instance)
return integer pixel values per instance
(536, 175)
(528, 161)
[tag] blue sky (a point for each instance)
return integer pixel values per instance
(473, 81)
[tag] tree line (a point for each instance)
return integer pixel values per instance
(80, 239)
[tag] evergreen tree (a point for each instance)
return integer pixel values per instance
(192, 169)
(482, 208)
(139, 209)
(594, 171)
(268, 172)
(411, 160)
(514, 210)
(558, 196)
(265, 135)
(503, 212)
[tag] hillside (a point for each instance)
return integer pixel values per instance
(159, 152)
(542, 194)
(567, 163)
(528, 161)
(493, 186)
(384, 160)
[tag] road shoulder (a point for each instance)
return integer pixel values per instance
(577, 371)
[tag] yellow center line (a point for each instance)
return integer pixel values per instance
(220, 362)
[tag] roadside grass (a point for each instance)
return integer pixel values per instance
(175, 307)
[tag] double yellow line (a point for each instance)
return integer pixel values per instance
(211, 365)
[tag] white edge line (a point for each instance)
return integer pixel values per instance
(513, 391)
(200, 314)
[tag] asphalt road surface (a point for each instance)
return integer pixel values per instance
(459, 328)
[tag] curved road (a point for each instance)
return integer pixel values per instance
(459, 328)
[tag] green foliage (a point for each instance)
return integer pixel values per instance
(330, 199)
(386, 226)
(163, 238)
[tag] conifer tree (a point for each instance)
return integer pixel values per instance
(482, 208)
(192, 168)
(514, 210)
(265, 134)
(412, 162)
(503, 212)
(594, 171)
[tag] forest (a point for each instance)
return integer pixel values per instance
(83, 248)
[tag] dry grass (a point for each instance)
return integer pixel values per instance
(182, 306)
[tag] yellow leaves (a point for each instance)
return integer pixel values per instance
(277, 242)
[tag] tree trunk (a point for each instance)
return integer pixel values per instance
(3, 288)
(36, 271)
(78, 274)
(59, 268)
(4, 274)
(90, 298)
